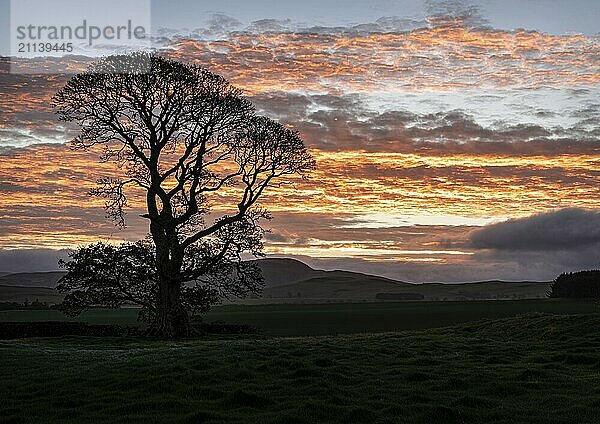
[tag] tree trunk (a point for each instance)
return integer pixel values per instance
(172, 319)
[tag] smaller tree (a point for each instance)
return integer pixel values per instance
(582, 285)
(111, 276)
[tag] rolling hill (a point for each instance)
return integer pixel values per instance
(30, 294)
(32, 279)
(290, 281)
(31, 286)
(337, 285)
(279, 272)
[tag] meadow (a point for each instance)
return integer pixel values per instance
(337, 318)
(534, 368)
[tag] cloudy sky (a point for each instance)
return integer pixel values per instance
(455, 141)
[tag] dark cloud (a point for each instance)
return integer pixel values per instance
(218, 25)
(270, 26)
(275, 237)
(569, 228)
(342, 122)
(441, 12)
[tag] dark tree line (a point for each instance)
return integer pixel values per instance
(583, 285)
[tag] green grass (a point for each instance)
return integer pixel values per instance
(528, 369)
(326, 319)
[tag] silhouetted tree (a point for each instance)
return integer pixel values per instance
(183, 135)
(583, 284)
(110, 276)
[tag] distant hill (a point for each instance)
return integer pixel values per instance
(285, 272)
(487, 290)
(289, 280)
(30, 294)
(32, 279)
(279, 272)
(276, 272)
(335, 285)
(30, 286)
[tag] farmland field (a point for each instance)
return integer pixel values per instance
(343, 318)
(535, 368)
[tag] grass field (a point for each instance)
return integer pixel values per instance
(329, 319)
(527, 369)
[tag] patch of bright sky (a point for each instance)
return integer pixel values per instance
(388, 221)
(547, 107)
(361, 252)
(23, 137)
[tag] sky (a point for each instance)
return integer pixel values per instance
(455, 141)
(555, 16)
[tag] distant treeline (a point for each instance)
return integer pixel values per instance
(582, 285)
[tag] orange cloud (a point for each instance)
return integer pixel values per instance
(376, 169)
(442, 57)
(45, 202)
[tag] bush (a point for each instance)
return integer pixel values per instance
(580, 285)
